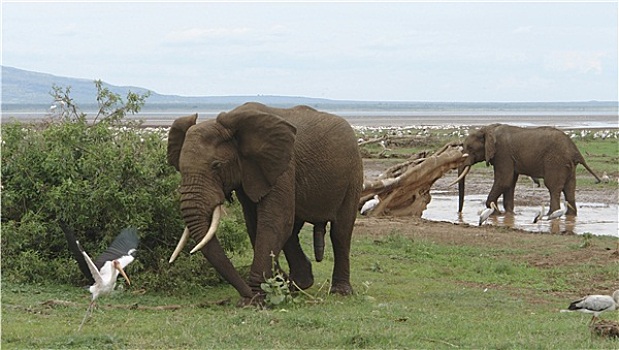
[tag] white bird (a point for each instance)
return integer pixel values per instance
(596, 304)
(605, 178)
(370, 205)
(539, 215)
(104, 271)
(559, 212)
(485, 214)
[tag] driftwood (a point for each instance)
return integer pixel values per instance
(404, 189)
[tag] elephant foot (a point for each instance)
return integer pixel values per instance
(342, 288)
(301, 282)
(256, 301)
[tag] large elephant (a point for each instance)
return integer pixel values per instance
(542, 152)
(287, 167)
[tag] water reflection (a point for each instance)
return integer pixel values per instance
(594, 218)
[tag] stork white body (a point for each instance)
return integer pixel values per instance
(559, 212)
(485, 214)
(596, 304)
(369, 205)
(105, 270)
(105, 278)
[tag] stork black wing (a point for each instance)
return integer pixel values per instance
(122, 244)
(76, 250)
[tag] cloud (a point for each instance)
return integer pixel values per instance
(201, 35)
(575, 61)
(522, 30)
(69, 30)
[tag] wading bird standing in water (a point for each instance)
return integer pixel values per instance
(104, 271)
(559, 212)
(539, 215)
(596, 304)
(485, 214)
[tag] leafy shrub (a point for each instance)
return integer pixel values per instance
(98, 176)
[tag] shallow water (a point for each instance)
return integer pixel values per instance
(594, 218)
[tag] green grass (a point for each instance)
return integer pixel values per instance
(410, 293)
(601, 155)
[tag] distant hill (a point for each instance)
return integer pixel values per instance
(22, 88)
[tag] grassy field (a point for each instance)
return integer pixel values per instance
(412, 291)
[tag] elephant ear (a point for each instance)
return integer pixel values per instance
(176, 137)
(266, 147)
(489, 145)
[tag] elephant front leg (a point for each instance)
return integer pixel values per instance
(509, 194)
(274, 225)
(300, 266)
(493, 196)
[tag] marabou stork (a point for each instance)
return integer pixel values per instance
(596, 304)
(104, 271)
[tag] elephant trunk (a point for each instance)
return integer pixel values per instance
(201, 219)
(462, 171)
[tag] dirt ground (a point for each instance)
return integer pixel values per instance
(546, 250)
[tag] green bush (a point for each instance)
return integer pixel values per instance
(98, 176)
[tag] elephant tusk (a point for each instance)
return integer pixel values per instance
(180, 245)
(466, 171)
(211, 230)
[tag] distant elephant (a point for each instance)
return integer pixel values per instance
(287, 167)
(542, 152)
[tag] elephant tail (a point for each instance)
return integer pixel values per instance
(582, 161)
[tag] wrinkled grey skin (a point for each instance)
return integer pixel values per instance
(287, 167)
(541, 153)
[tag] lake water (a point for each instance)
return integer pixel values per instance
(594, 218)
(565, 116)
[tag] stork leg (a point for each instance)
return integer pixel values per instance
(592, 320)
(88, 311)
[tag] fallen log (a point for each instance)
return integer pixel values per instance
(404, 189)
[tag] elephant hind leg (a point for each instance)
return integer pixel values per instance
(340, 234)
(569, 191)
(554, 188)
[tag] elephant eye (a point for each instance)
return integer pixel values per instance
(216, 164)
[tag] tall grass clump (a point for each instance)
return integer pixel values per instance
(98, 175)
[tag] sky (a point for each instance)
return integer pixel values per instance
(379, 51)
